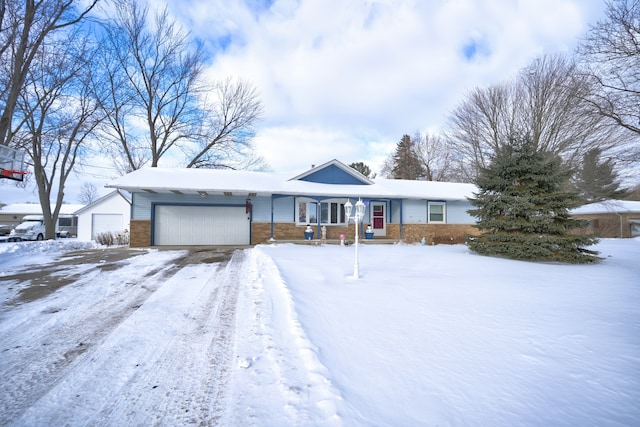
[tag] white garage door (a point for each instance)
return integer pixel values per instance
(103, 223)
(201, 225)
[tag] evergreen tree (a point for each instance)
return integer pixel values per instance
(362, 168)
(523, 210)
(596, 179)
(406, 163)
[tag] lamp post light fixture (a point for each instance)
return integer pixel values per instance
(359, 214)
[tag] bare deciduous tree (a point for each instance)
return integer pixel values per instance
(228, 128)
(546, 102)
(88, 193)
(60, 112)
(159, 103)
(24, 27)
(436, 157)
(610, 56)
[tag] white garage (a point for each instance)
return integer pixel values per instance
(108, 214)
(201, 225)
(105, 223)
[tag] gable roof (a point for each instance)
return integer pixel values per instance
(104, 199)
(333, 172)
(245, 183)
(608, 206)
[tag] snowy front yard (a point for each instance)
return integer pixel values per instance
(427, 336)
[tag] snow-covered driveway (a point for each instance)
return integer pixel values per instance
(141, 341)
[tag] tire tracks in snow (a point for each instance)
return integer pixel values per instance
(187, 383)
(37, 352)
(145, 373)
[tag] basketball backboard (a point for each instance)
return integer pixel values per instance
(12, 163)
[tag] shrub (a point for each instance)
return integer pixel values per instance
(110, 238)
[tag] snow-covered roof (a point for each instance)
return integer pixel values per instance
(217, 182)
(104, 198)
(608, 206)
(35, 209)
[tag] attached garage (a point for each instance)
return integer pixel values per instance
(182, 225)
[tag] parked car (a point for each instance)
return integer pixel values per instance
(5, 230)
(32, 228)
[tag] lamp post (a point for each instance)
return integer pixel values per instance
(359, 214)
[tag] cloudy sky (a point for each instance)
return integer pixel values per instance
(346, 79)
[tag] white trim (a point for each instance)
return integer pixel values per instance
(378, 231)
(340, 212)
(444, 212)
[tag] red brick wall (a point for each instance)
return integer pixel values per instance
(413, 233)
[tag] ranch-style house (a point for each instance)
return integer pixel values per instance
(192, 207)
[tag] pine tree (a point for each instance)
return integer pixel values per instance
(596, 179)
(362, 168)
(406, 163)
(523, 210)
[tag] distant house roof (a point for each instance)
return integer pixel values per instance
(608, 206)
(35, 209)
(102, 199)
(218, 182)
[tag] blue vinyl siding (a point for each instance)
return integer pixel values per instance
(332, 175)
(141, 203)
(414, 212)
(261, 209)
(457, 212)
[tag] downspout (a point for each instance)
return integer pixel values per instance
(271, 238)
(401, 219)
(318, 217)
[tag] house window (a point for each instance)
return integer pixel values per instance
(65, 222)
(437, 212)
(331, 212)
(307, 212)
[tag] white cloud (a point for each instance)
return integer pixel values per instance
(357, 73)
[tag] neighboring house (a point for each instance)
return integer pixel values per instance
(110, 213)
(225, 207)
(611, 218)
(11, 215)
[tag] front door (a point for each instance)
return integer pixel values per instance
(378, 218)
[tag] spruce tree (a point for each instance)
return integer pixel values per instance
(523, 210)
(596, 179)
(406, 163)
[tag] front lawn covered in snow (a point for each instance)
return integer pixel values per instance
(441, 336)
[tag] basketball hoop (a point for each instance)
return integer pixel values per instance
(12, 164)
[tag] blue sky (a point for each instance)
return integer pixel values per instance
(346, 79)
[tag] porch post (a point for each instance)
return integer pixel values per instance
(272, 216)
(401, 223)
